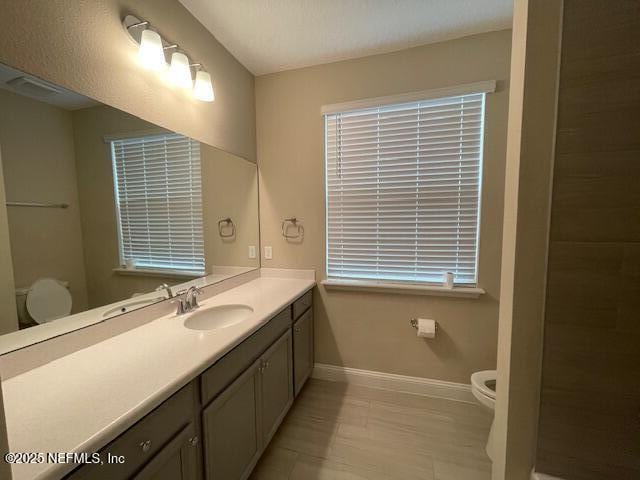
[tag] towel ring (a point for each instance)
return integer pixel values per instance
(292, 222)
(225, 223)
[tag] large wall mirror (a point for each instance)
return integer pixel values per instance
(100, 209)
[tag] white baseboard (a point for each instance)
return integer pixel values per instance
(399, 383)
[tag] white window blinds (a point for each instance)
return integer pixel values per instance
(403, 190)
(159, 201)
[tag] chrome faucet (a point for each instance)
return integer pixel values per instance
(166, 288)
(187, 300)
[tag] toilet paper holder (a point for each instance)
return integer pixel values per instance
(414, 323)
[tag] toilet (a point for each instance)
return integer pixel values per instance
(44, 301)
(483, 387)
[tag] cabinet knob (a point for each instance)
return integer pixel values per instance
(263, 366)
(296, 329)
(193, 441)
(145, 446)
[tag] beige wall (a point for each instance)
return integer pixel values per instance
(39, 166)
(8, 313)
(229, 189)
(530, 150)
(82, 46)
(371, 330)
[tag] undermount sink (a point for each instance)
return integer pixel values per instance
(221, 316)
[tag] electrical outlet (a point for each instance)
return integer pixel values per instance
(268, 253)
(252, 251)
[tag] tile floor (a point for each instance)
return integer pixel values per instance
(336, 431)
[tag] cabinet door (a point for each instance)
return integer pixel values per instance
(302, 349)
(178, 460)
(231, 428)
(277, 384)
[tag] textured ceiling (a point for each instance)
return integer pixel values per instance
(274, 35)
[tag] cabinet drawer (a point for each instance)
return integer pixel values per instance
(142, 441)
(302, 304)
(229, 367)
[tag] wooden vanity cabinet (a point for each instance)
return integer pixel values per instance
(276, 385)
(231, 427)
(218, 425)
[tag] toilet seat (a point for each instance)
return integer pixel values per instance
(481, 387)
(48, 300)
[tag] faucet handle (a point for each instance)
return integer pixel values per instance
(192, 294)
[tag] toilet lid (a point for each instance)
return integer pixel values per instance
(485, 382)
(47, 300)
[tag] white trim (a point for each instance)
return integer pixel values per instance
(487, 86)
(134, 134)
(158, 272)
(398, 383)
(403, 288)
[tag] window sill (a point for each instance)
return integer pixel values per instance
(402, 288)
(157, 272)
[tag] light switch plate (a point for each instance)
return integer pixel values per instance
(252, 251)
(268, 253)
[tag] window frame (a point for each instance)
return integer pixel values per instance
(470, 289)
(145, 268)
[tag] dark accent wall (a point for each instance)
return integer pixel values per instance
(589, 425)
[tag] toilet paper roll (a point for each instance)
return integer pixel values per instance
(427, 328)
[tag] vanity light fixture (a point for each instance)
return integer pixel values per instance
(180, 71)
(151, 54)
(203, 89)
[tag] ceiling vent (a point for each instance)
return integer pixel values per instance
(33, 87)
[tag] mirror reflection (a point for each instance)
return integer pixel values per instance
(106, 212)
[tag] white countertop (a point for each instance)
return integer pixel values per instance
(84, 400)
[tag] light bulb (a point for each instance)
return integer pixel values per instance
(203, 89)
(151, 53)
(180, 72)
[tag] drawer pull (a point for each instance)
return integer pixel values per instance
(193, 441)
(145, 446)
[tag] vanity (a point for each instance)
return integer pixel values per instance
(225, 392)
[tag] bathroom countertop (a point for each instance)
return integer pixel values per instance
(84, 400)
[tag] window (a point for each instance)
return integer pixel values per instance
(159, 202)
(403, 190)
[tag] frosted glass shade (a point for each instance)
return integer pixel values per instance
(180, 72)
(151, 53)
(203, 89)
